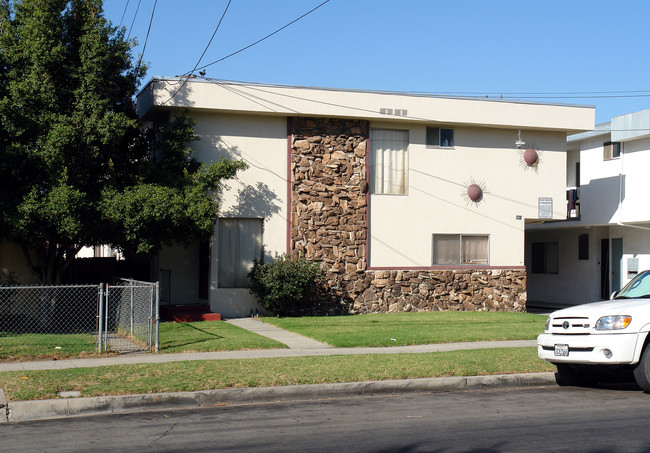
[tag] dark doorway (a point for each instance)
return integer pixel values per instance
(604, 269)
(617, 258)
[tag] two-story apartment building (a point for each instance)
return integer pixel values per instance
(412, 202)
(606, 239)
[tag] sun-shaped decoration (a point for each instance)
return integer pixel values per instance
(474, 194)
(530, 158)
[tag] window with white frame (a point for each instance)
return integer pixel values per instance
(440, 137)
(611, 150)
(459, 249)
(388, 161)
(240, 243)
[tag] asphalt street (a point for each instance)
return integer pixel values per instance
(547, 418)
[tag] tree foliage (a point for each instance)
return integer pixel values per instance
(76, 169)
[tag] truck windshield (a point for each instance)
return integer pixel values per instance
(638, 287)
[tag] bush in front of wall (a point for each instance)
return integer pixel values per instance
(287, 284)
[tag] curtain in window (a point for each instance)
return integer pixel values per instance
(475, 250)
(388, 161)
(240, 242)
(446, 249)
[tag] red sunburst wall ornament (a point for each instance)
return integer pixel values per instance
(474, 192)
(531, 157)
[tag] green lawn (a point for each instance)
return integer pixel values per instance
(39, 345)
(174, 337)
(414, 328)
(210, 336)
(340, 331)
(216, 374)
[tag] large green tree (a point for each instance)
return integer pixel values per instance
(76, 168)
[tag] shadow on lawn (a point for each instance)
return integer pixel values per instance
(191, 341)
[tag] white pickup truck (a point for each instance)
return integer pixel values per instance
(588, 341)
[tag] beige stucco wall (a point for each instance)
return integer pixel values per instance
(13, 260)
(258, 192)
(401, 226)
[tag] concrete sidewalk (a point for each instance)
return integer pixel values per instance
(297, 346)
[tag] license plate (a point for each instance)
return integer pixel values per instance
(562, 350)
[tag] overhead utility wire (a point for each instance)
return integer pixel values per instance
(249, 46)
(213, 34)
(265, 37)
(577, 96)
(144, 47)
(497, 93)
(124, 13)
(133, 21)
(260, 99)
(187, 75)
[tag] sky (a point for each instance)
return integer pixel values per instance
(570, 51)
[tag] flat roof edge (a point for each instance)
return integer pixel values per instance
(355, 90)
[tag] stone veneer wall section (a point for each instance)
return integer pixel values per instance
(329, 224)
(328, 193)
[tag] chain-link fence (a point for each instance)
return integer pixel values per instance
(73, 319)
(38, 320)
(132, 316)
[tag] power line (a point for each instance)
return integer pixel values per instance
(213, 34)
(144, 47)
(133, 21)
(124, 13)
(188, 74)
(265, 37)
(540, 93)
(578, 96)
(264, 101)
(244, 48)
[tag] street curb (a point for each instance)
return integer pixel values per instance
(21, 411)
(4, 410)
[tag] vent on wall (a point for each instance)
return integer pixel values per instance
(394, 112)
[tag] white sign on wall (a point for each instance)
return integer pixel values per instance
(545, 207)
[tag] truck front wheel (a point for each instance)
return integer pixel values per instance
(642, 370)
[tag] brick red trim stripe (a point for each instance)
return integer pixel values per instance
(447, 268)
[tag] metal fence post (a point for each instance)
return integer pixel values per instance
(108, 309)
(157, 317)
(101, 318)
(132, 288)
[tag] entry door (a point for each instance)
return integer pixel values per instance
(617, 261)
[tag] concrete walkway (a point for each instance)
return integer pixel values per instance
(297, 346)
(293, 340)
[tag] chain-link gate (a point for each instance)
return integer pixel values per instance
(131, 316)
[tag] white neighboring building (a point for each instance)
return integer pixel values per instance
(606, 239)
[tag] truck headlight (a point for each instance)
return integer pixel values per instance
(613, 322)
(548, 324)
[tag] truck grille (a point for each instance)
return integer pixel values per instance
(570, 326)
